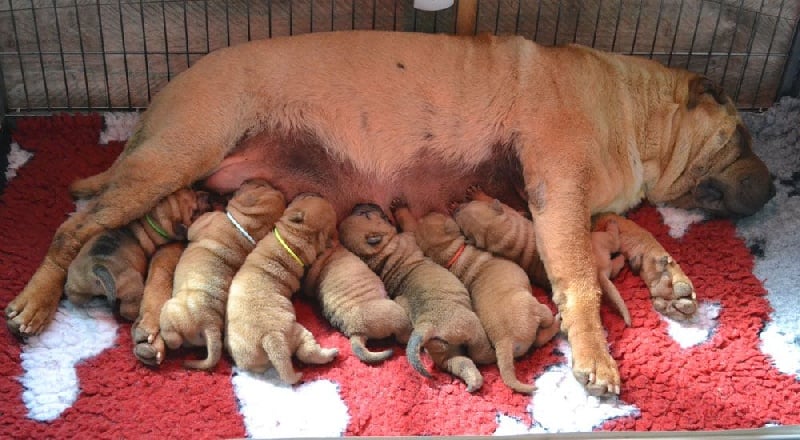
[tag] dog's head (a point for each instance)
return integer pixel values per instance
(257, 205)
(436, 230)
(312, 216)
(366, 231)
(708, 161)
(479, 221)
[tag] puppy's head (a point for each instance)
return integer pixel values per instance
(437, 230)
(366, 231)
(257, 200)
(312, 216)
(711, 164)
(478, 220)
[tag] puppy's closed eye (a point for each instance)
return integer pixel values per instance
(374, 239)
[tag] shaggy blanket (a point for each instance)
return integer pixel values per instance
(734, 367)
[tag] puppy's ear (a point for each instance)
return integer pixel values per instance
(497, 206)
(451, 227)
(297, 216)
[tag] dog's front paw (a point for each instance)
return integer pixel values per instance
(148, 347)
(670, 289)
(475, 192)
(592, 364)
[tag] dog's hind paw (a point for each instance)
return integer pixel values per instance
(670, 289)
(149, 348)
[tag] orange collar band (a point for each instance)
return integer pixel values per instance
(456, 255)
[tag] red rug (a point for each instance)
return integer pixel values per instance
(723, 382)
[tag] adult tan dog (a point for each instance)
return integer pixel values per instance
(422, 117)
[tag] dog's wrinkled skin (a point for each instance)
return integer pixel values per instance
(261, 329)
(576, 130)
(500, 290)
(195, 315)
(497, 228)
(113, 264)
(355, 301)
(148, 347)
(437, 303)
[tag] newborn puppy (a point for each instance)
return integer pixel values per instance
(149, 348)
(218, 244)
(113, 263)
(262, 329)
(355, 301)
(500, 290)
(437, 302)
(503, 231)
(606, 243)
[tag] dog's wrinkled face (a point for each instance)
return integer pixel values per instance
(366, 231)
(712, 164)
(436, 229)
(477, 219)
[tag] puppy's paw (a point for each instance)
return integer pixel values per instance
(397, 203)
(28, 316)
(671, 290)
(148, 347)
(592, 364)
(475, 192)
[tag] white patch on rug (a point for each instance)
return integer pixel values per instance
(119, 126)
(696, 330)
(273, 409)
(679, 220)
(17, 157)
(782, 347)
(76, 333)
(561, 404)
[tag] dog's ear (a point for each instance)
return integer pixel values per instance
(297, 216)
(700, 86)
(497, 206)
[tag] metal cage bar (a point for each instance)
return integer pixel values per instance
(79, 55)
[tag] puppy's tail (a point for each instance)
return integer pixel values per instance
(213, 337)
(613, 295)
(419, 337)
(358, 343)
(107, 282)
(505, 364)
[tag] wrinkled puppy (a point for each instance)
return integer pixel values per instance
(113, 263)
(262, 329)
(148, 347)
(219, 242)
(436, 301)
(503, 231)
(648, 258)
(610, 261)
(500, 290)
(355, 301)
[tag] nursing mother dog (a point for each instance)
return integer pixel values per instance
(566, 132)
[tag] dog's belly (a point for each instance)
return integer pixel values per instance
(297, 165)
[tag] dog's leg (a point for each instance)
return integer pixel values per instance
(309, 350)
(670, 289)
(561, 225)
(402, 215)
(149, 347)
(134, 189)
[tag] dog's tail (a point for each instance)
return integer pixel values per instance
(505, 364)
(358, 343)
(107, 282)
(419, 337)
(213, 337)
